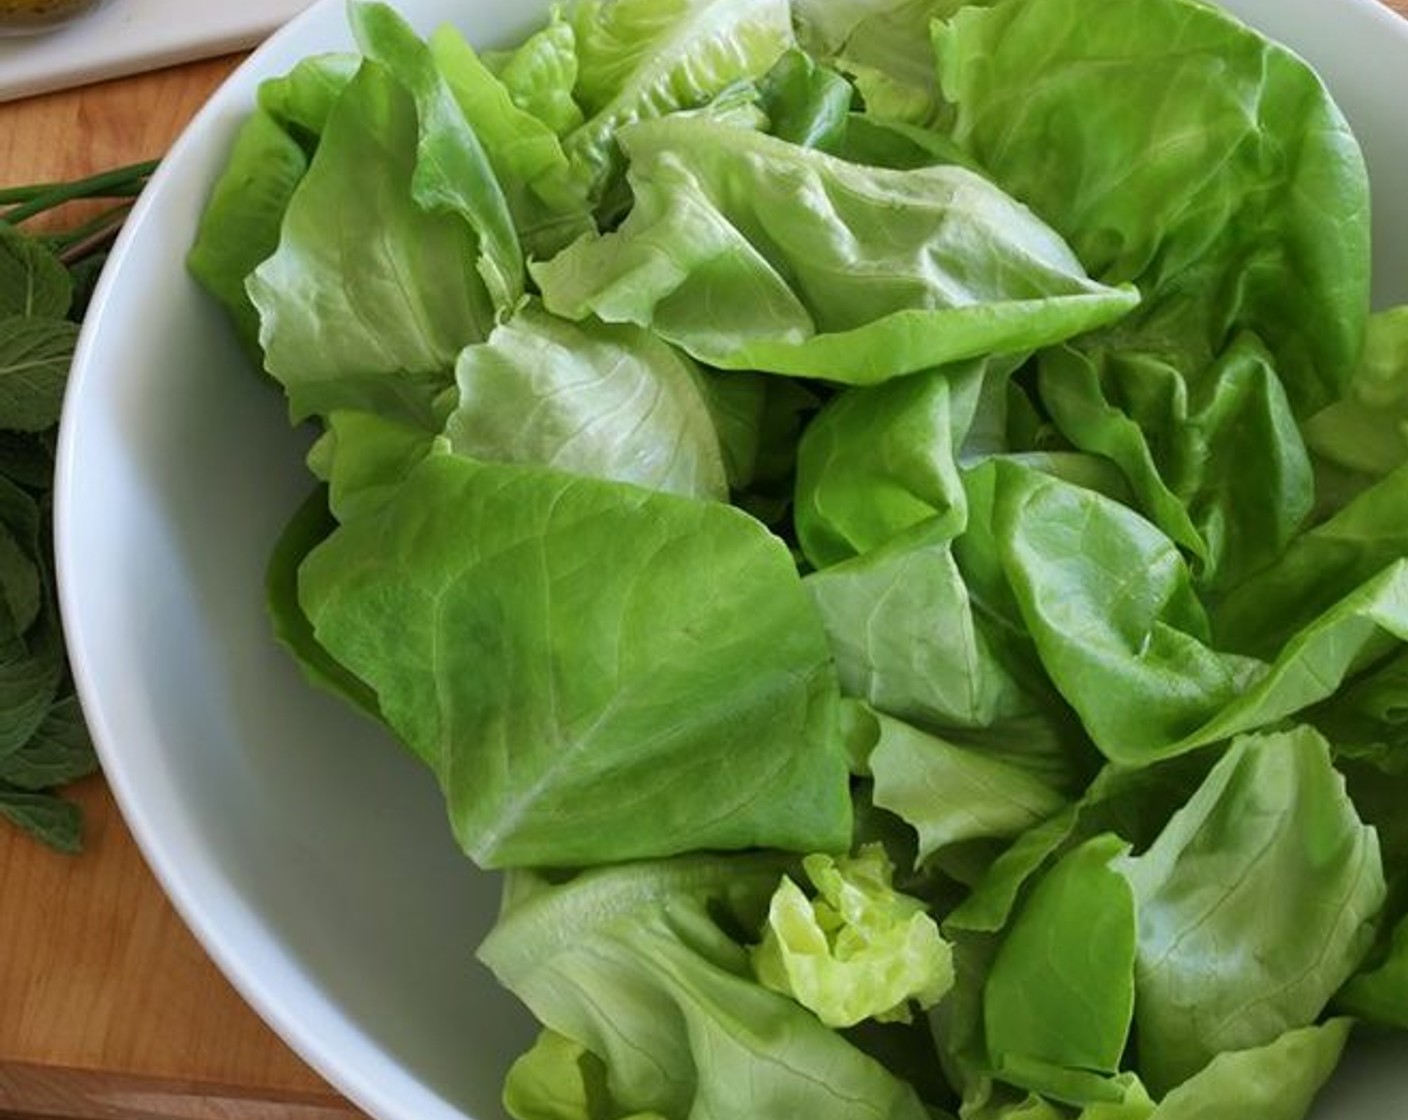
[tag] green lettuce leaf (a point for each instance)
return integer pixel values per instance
(1222, 180)
(1321, 569)
(639, 59)
(364, 458)
(1216, 459)
(907, 638)
(541, 73)
(693, 705)
(878, 461)
(453, 173)
(1059, 999)
(310, 525)
(558, 1079)
(239, 227)
(1134, 803)
(876, 142)
(884, 45)
(951, 793)
(610, 401)
(859, 949)
(1380, 995)
(548, 206)
(1269, 857)
(752, 253)
(302, 100)
(806, 103)
(1110, 606)
(1112, 612)
(1363, 436)
(349, 320)
(1277, 1081)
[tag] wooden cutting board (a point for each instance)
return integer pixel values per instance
(109, 1009)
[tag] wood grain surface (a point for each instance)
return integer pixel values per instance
(109, 1009)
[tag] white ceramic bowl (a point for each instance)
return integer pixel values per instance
(313, 861)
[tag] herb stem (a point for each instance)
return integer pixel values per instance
(65, 243)
(119, 182)
(96, 238)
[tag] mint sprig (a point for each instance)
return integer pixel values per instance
(46, 278)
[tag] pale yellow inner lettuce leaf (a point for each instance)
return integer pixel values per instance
(859, 950)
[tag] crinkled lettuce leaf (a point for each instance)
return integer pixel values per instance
(858, 949)
(1134, 803)
(453, 173)
(880, 460)
(1112, 611)
(640, 59)
(548, 206)
(884, 45)
(1277, 1081)
(1319, 572)
(364, 457)
(558, 1079)
(349, 320)
(302, 100)
(1221, 178)
(752, 253)
(605, 400)
(1110, 606)
(806, 102)
(1216, 460)
(1363, 436)
(907, 639)
(541, 73)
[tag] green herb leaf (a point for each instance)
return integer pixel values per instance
(59, 752)
(56, 822)
(33, 282)
(35, 354)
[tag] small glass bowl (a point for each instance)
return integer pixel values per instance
(30, 17)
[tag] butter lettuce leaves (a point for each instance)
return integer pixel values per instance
(644, 967)
(885, 518)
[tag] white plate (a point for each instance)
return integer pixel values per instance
(311, 858)
(128, 36)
